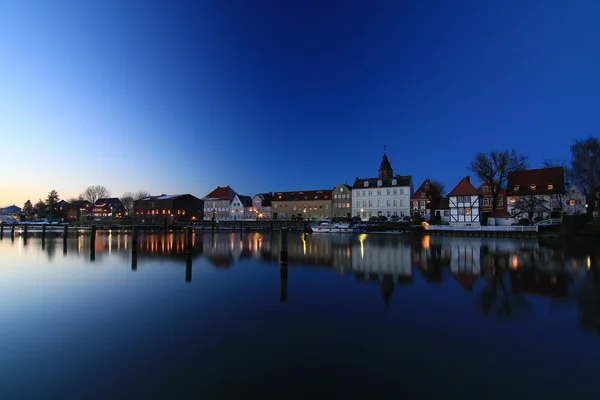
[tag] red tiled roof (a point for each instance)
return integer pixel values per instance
(221, 193)
(431, 190)
(464, 188)
(541, 178)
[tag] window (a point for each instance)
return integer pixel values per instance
(415, 205)
(335, 196)
(327, 206)
(516, 188)
(532, 187)
(422, 204)
(550, 187)
(389, 214)
(364, 203)
(364, 214)
(341, 189)
(364, 193)
(401, 214)
(401, 191)
(395, 191)
(486, 201)
(394, 182)
(461, 211)
(595, 214)
(357, 203)
(486, 189)
(378, 192)
(401, 203)
(388, 192)
(446, 213)
(500, 201)
(571, 202)
(378, 203)
(388, 203)
(370, 193)
(379, 183)
(394, 203)
(467, 211)
(366, 183)
(347, 205)
(370, 203)
(512, 200)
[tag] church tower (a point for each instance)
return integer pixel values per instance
(385, 169)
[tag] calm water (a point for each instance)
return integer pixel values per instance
(380, 316)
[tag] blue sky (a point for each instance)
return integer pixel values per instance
(179, 97)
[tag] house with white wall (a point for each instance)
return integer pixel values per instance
(387, 195)
(465, 207)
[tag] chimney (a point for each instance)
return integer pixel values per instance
(468, 178)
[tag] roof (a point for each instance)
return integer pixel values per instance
(245, 200)
(536, 181)
(401, 181)
(385, 163)
(62, 203)
(266, 198)
(80, 203)
(221, 193)
(109, 201)
(12, 209)
(344, 185)
(464, 188)
(303, 195)
(421, 189)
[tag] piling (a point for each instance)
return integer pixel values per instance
(283, 259)
(188, 239)
(134, 260)
(212, 224)
(65, 230)
(65, 247)
(25, 232)
(1, 230)
(43, 231)
(134, 238)
(93, 243)
(188, 268)
(12, 230)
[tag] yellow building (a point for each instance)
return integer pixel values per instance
(311, 204)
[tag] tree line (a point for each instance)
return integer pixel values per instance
(583, 170)
(47, 206)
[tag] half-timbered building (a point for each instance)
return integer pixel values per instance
(465, 207)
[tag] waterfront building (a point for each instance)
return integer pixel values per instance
(169, 209)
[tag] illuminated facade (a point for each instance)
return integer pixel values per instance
(169, 209)
(217, 203)
(305, 205)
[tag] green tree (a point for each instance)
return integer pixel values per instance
(51, 201)
(494, 168)
(40, 208)
(28, 209)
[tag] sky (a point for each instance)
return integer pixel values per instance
(181, 97)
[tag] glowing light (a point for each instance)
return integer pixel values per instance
(515, 262)
(425, 241)
(589, 262)
(303, 244)
(425, 225)
(361, 239)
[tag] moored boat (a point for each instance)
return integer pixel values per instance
(328, 227)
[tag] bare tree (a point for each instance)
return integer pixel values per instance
(128, 199)
(527, 205)
(585, 163)
(439, 186)
(493, 169)
(94, 193)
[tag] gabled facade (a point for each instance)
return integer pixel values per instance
(425, 200)
(11, 210)
(464, 204)
(108, 208)
(484, 190)
(261, 207)
(81, 210)
(170, 209)
(387, 195)
(302, 205)
(574, 201)
(239, 207)
(217, 203)
(531, 193)
(342, 201)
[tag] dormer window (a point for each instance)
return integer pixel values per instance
(532, 187)
(379, 183)
(394, 182)
(366, 183)
(550, 187)
(341, 189)
(423, 195)
(516, 188)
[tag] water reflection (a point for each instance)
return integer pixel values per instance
(502, 275)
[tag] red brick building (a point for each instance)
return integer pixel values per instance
(425, 199)
(486, 199)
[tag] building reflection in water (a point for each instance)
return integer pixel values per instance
(501, 273)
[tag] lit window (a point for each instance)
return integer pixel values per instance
(461, 211)
(500, 201)
(550, 187)
(467, 211)
(513, 199)
(379, 183)
(423, 195)
(394, 182)
(366, 183)
(516, 188)
(341, 189)
(572, 202)
(486, 202)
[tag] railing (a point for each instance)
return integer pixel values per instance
(483, 228)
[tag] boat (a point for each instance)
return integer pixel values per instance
(328, 227)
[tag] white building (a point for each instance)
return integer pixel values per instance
(217, 203)
(240, 208)
(387, 195)
(464, 200)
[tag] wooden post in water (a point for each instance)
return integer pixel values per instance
(134, 259)
(65, 231)
(283, 257)
(189, 231)
(1, 230)
(43, 231)
(25, 232)
(12, 231)
(134, 238)
(93, 243)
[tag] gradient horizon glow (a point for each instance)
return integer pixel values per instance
(181, 97)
